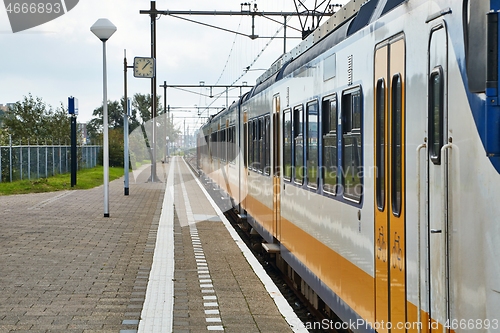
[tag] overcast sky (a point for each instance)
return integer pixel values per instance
(63, 58)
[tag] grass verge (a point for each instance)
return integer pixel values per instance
(85, 179)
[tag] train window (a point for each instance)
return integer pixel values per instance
(213, 144)
(209, 146)
(230, 144)
(352, 166)
(219, 145)
(267, 144)
(262, 144)
(216, 145)
(298, 121)
(259, 145)
(234, 145)
(227, 143)
(245, 144)
(206, 149)
(223, 144)
(287, 145)
(380, 143)
(256, 145)
(329, 138)
(476, 31)
(396, 144)
(312, 145)
(225, 137)
(436, 115)
(255, 151)
(251, 136)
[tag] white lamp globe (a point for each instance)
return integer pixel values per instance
(103, 29)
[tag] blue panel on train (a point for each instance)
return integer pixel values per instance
(391, 4)
(363, 18)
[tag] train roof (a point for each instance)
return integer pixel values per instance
(351, 18)
(225, 111)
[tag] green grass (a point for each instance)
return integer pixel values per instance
(85, 179)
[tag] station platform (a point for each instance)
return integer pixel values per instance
(166, 260)
(213, 279)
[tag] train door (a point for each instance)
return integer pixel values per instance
(390, 271)
(437, 182)
(276, 171)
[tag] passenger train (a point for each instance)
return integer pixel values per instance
(369, 158)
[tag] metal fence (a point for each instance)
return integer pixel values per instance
(41, 161)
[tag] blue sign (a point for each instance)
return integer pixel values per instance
(73, 105)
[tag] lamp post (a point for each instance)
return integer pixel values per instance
(104, 29)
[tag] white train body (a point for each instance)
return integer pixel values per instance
(390, 214)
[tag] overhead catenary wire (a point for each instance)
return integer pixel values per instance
(260, 53)
(245, 54)
(230, 52)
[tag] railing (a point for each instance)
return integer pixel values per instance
(41, 161)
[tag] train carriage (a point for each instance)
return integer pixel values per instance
(369, 155)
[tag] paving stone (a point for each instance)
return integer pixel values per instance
(66, 268)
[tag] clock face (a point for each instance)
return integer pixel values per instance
(144, 67)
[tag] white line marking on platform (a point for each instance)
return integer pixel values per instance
(157, 312)
(284, 308)
(213, 320)
(208, 291)
(208, 298)
(206, 285)
(210, 304)
(50, 200)
(201, 263)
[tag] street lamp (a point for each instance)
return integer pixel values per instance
(104, 29)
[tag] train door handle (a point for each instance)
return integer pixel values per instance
(436, 231)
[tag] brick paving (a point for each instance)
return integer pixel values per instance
(66, 268)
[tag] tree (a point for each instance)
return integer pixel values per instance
(59, 126)
(115, 114)
(140, 120)
(115, 119)
(34, 121)
(115, 140)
